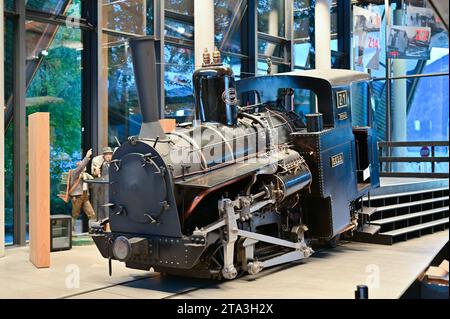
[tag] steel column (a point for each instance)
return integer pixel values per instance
(20, 129)
(92, 129)
(159, 26)
(387, 19)
(252, 37)
(345, 31)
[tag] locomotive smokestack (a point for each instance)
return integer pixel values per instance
(144, 65)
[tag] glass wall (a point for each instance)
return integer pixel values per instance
(402, 87)
(271, 17)
(184, 7)
(304, 55)
(179, 62)
(56, 88)
(231, 35)
(131, 18)
(416, 69)
(230, 26)
(57, 7)
(303, 33)
(273, 39)
(53, 79)
(125, 19)
(9, 5)
(428, 121)
(122, 20)
(124, 117)
(179, 67)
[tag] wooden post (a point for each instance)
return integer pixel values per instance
(168, 125)
(39, 188)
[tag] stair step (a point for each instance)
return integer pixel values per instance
(368, 211)
(415, 203)
(410, 229)
(408, 216)
(405, 194)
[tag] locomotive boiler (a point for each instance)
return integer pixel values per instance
(248, 184)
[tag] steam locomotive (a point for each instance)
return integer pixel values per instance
(241, 187)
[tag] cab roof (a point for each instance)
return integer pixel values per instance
(335, 77)
(321, 82)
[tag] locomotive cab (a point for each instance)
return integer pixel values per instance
(338, 141)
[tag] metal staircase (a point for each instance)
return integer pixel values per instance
(391, 218)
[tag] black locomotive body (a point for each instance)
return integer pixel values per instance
(241, 188)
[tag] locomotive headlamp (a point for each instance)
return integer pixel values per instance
(122, 248)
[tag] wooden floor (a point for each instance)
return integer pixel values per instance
(333, 273)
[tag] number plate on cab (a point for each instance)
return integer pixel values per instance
(337, 160)
(341, 99)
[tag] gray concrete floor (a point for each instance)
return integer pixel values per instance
(334, 273)
(20, 279)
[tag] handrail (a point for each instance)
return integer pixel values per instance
(413, 159)
(414, 144)
(433, 159)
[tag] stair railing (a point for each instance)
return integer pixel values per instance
(427, 155)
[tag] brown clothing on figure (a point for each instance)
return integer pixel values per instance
(82, 201)
(80, 191)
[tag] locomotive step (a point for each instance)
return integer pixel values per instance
(414, 203)
(408, 216)
(369, 211)
(369, 229)
(410, 229)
